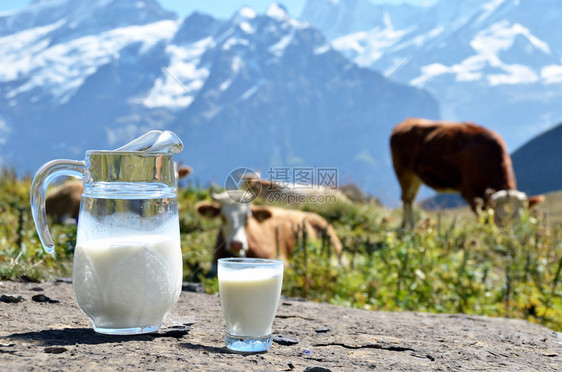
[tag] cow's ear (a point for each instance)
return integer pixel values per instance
(261, 213)
(534, 200)
(207, 209)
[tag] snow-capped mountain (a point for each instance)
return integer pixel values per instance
(82, 17)
(256, 90)
(495, 62)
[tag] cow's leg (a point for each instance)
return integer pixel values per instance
(408, 215)
(475, 202)
(410, 185)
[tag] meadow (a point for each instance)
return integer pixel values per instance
(452, 262)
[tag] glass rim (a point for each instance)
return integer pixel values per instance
(249, 261)
(136, 153)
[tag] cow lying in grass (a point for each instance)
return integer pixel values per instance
(63, 202)
(458, 157)
(262, 231)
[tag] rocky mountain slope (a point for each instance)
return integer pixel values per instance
(256, 90)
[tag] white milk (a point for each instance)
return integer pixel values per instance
(249, 300)
(128, 281)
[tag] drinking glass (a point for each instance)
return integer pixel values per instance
(249, 290)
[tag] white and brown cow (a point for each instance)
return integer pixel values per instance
(258, 231)
(459, 157)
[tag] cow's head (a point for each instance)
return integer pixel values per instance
(235, 217)
(508, 205)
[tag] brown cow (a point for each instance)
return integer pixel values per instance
(448, 156)
(181, 171)
(63, 202)
(254, 231)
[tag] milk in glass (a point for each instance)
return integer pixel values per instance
(128, 281)
(249, 299)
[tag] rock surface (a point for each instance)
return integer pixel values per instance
(58, 336)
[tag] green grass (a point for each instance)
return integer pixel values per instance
(452, 262)
(553, 206)
(21, 254)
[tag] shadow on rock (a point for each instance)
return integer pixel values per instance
(72, 336)
(209, 349)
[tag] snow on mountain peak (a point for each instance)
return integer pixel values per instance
(501, 35)
(84, 16)
(48, 63)
(186, 67)
(54, 70)
(247, 13)
(487, 62)
(183, 73)
(17, 51)
(470, 40)
(277, 11)
(243, 19)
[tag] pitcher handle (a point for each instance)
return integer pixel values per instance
(41, 181)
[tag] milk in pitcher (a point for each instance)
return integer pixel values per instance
(128, 281)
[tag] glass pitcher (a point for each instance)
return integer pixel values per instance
(127, 261)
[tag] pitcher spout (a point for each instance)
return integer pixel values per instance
(155, 142)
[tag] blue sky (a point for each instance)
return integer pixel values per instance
(218, 8)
